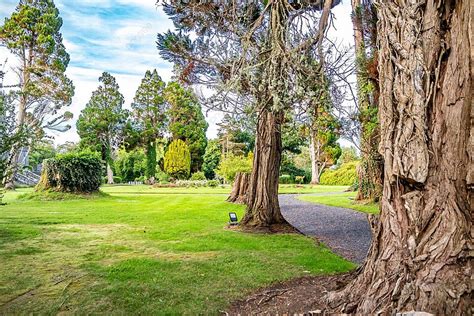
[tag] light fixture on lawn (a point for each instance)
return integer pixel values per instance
(233, 218)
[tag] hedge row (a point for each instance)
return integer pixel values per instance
(346, 174)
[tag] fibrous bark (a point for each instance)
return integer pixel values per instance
(240, 188)
(421, 253)
(263, 209)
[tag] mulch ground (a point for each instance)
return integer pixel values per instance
(297, 296)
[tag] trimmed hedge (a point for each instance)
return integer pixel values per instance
(346, 174)
(72, 172)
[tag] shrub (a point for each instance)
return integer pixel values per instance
(130, 165)
(117, 179)
(346, 174)
(198, 176)
(212, 183)
(72, 172)
(288, 168)
(299, 179)
(230, 165)
(162, 177)
(178, 160)
(285, 179)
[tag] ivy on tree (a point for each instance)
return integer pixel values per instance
(101, 123)
(149, 117)
(32, 35)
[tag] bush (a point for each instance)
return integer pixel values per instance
(178, 160)
(162, 177)
(212, 183)
(230, 165)
(72, 172)
(198, 176)
(288, 168)
(211, 159)
(285, 179)
(130, 165)
(117, 179)
(346, 174)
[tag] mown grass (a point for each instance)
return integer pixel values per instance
(131, 253)
(345, 200)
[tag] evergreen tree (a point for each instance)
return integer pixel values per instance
(149, 117)
(187, 122)
(32, 34)
(178, 160)
(211, 158)
(101, 123)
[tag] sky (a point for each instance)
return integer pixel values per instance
(118, 36)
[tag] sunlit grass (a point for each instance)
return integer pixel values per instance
(131, 253)
(345, 200)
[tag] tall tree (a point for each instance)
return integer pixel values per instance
(7, 130)
(370, 170)
(211, 158)
(421, 254)
(32, 34)
(187, 122)
(149, 117)
(247, 52)
(102, 121)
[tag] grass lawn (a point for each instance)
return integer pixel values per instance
(132, 253)
(283, 189)
(342, 200)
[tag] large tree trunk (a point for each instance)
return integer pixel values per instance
(421, 253)
(263, 209)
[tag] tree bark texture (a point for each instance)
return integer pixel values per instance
(263, 209)
(110, 174)
(240, 188)
(421, 253)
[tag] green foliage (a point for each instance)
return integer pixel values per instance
(230, 165)
(40, 151)
(101, 123)
(211, 158)
(73, 172)
(285, 179)
(7, 131)
(187, 122)
(289, 168)
(198, 176)
(346, 174)
(149, 116)
(49, 195)
(130, 165)
(178, 160)
(162, 177)
(32, 34)
(348, 154)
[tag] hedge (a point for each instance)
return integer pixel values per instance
(346, 174)
(72, 172)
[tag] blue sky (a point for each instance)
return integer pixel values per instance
(119, 36)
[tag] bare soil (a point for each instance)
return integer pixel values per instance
(297, 296)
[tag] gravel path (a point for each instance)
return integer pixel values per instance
(345, 231)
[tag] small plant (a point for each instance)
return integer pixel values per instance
(285, 179)
(198, 176)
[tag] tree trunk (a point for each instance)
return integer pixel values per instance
(110, 174)
(263, 209)
(370, 169)
(421, 253)
(315, 172)
(240, 188)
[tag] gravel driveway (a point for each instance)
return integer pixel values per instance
(345, 231)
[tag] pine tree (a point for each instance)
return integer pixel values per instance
(32, 34)
(149, 117)
(102, 121)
